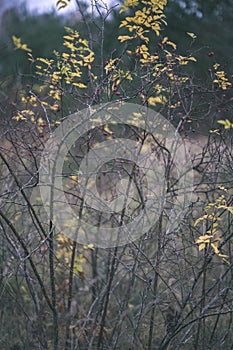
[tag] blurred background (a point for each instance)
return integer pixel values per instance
(40, 25)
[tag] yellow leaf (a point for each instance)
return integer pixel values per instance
(171, 44)
(61, 4)
(19, 117)
(200, 219)
(227, 124)
(89, 246)
(230, 209)
(214, 245)
(123, 38)
(45, 60)
(223, 255)
(63, 239)
(127, 4)
(201, 246)
(68, 37)
(76, 74)
(80, 85)
(226, 261)
(192, 35)
(77, 268)
(106, 129)
(213, 231)
(206, 237)
(192, 59)
(88, 59)
(55, 77)
(158, 99)
(65, 56)
(222, 188)
(214, 131)
(30, 57)
(19, 45)
(16, 41)
(165, 40)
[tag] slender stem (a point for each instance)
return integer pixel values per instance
(28, 255)
(71, 278)
(155, 287)
(53, 288)
(102, 323)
